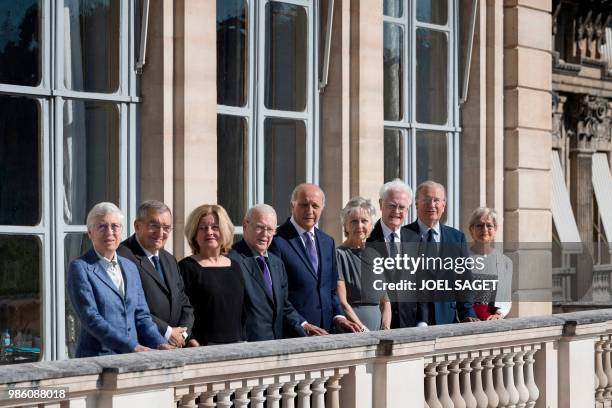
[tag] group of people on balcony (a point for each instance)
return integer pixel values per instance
(276, 282)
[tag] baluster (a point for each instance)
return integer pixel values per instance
(445, 399)
(333, 388)
(257, 398)
(185, 396)
(466, 383)
(489, 386)
(304, 393)
(241, 396)
(289, 394)
(208, 396)
(500, 388)
(431, 394)
(509, 379)
(599, 372)
(223, 398)
(608, 368)
(318, 392)
(273, 396)
(534, 393)
(481, 397)
(454, 384)
(519, 379)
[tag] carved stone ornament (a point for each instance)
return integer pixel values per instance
(587, 120)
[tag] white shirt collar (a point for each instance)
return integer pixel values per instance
(424, 228)
(107, 261)
(146, 252)
(301, 230)
(386, 231)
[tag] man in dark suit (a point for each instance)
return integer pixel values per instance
(161, 281)
(267, 304)
(395, 198)
(310, 260)
(448, 243)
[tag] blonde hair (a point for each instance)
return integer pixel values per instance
(226, 228)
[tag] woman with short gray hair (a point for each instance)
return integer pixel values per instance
(360, 302)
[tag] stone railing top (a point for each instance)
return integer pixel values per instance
(135, 362)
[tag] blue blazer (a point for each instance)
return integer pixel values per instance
(110, 323)
(266, 316)
(312, 293)
(444, 312)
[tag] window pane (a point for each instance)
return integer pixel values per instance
(431, 76)
(393, 71)
(20, 156)
(20, 56)
(91, 157)
(286, 57)
(432, 11)
(91, 44)
(232, 51)
(232, 164)
(393, 8)
(431, 156)
(285, 167)
(20, 298)
(75, 245)
(394, 154)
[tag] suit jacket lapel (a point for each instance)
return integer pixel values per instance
(298, 246)
(276, 283)
(100, 272)
(257, 274)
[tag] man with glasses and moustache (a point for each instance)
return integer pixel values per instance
(161, 280)
(106, 293)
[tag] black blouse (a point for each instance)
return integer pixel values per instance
(217, 296)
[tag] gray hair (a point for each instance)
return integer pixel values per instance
(100, 210)
(432, 184)
(261, 209)
(354, 205)
(297, 189)
(481, 212)
(395, 185)
(151, 205)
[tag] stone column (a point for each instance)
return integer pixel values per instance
(195, 111)
(527, 98)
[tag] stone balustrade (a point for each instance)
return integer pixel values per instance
(543, 361)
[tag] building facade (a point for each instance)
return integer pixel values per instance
(236, 101)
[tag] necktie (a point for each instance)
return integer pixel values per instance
(261, 260)
(312, 251)
(158, 267)
(392, 245)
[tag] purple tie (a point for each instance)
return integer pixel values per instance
(261, 260)
(312, 251)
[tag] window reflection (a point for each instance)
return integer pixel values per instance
(286, 57)
(20, 157)
(431, 76)
(285, 161)
(432, 11)
(20, 56)
(393, 71)
(20, 299)
(91, 157)
(91, 45)
(232, 164)
(394, 154)
(75, 245)
(393, 8)
(431, 156)
(232, 51)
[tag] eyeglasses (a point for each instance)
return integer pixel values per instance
(396, 207)
(437, 201)
(483, 226)
(262, 228)
(154, 227)
(102, 228)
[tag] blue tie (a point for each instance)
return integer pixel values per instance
(158, 267)
(312, 251)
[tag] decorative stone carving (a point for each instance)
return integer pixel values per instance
(587, 119)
